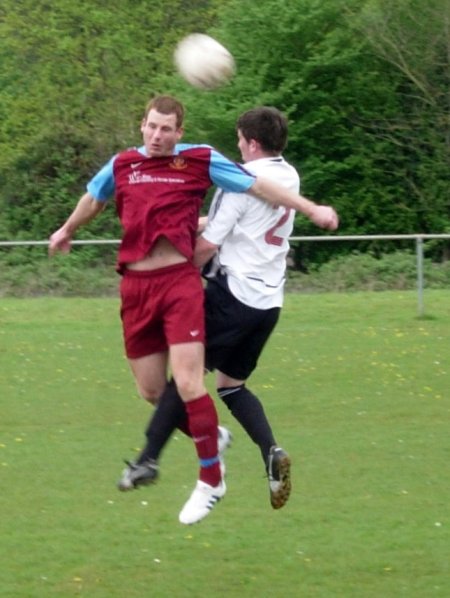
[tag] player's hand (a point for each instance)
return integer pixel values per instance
(202, 222)
(325, 217)
(59, 241)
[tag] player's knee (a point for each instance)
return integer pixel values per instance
(189, 389)
(152, 399)
(150, 394)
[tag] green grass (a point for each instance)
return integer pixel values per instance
(357, 388)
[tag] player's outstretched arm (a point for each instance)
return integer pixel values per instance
(85, 211)
(322, 216)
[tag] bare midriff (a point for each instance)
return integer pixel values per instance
(162, 255)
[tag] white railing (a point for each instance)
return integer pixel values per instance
(418, 238)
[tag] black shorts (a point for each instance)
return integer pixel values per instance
(235, 333)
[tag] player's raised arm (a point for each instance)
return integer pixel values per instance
(86, 210)
(322, 216)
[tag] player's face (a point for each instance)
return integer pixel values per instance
(244, 147)
(160, 133)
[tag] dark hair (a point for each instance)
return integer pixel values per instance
(267, 125)
(167, 105)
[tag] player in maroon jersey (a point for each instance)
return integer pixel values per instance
(159, 189)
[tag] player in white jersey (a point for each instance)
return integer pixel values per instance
(253, 237)
(245, 288)
(248, 243)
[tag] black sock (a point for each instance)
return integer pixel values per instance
(249, 412)
(168, 415)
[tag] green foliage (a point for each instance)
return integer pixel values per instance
(416, 49)
(365, 272)
(349, 107)
(364, 83)
(74, 80)
(88, 271)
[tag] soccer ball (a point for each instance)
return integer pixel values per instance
(203, 62)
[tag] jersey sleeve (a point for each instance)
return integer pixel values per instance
(228, 175)
(102, 185)
(225, 211)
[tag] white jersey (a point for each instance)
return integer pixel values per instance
(253, 237)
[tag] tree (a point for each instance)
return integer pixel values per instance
(316, 62)
(364, 83)
(74, 79)
(310, 63)
(414, 39)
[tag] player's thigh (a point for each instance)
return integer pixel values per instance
(224, 381)
(142, 324)
(243, 359)
(187, 365)
(226, 321)
(184, 314)
(150, 373)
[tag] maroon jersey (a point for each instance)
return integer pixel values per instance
(162, 196)
(159, 197)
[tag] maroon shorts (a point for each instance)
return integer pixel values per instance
(160, 308)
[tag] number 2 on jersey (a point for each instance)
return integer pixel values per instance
(270, 237)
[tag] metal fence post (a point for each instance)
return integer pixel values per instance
(419, 254)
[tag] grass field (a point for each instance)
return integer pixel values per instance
(357, 388)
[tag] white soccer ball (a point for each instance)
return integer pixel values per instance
(203, 62)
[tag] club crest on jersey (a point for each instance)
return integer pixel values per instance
(178, 163)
